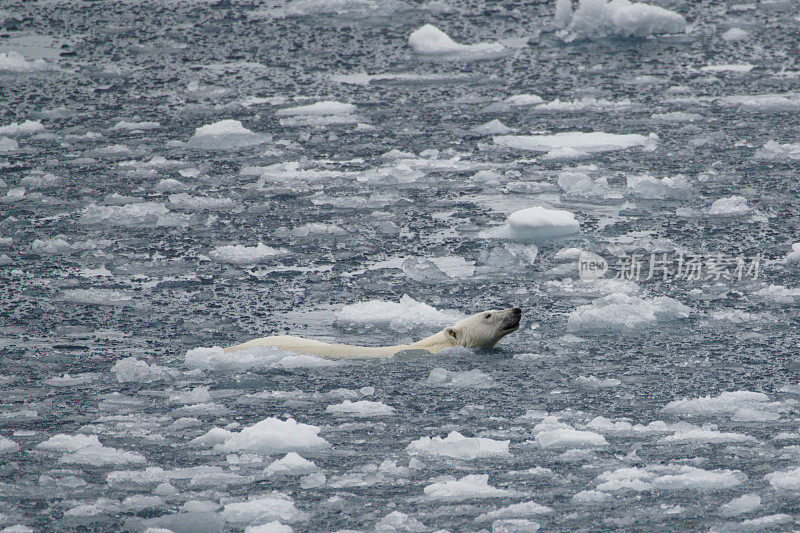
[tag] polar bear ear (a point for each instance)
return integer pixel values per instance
(452, 332)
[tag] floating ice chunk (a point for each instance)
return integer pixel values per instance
(744, 504)
(563, 14)
(569, 438)
(705, 436)
(793, 256)
(764, 103)
(580, 184)
(8, 446)
(361, 409)
(405, 313)
(515, 525)
(650, 187)
(270, 527)
(216, 479)
(130, 126)
(742, 68)
(196, 395)
(458, 446)
(734, 35)
(676, 116)
(318, 109)
(584, 142)
(777, 294)
(152, 474)
(239, 254)
(584, 104)
(100, 506)
(102, 456)
(97, 297)
(69, 443)
(132, 370)
(423, 270)
(621, 312)
(8, 145)
(39, 180)
(769, 522)
(292, 464)
(690, 478)
(16, 62)
(188, 202)
(517, 510)
(523, 100)
(726, 404)
(397, 521)
(136, 214)
(600, 18)
(493, 127)
(635, 479)
(773, 151)
(275, 506)
(591, 497)
(431, 41)
(538, 223)
(225, 135)
(472, 486)
(258, 358)
(170, 185)
(595, 382)
(471, 379)
(730, 207)
(316, 229)
(25, 128)
(141, 501)
(273, 435)
(789, 480)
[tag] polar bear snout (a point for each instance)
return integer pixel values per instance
(511, 319)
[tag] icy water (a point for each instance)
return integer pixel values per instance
(132, 244)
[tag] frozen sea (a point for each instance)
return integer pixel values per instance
(179, 176)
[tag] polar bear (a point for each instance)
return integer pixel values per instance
(481, 330)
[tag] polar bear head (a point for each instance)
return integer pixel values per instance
(483, 330)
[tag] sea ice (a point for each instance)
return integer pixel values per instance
(600, 18)
(431, 41)
(471, 379)
(273, 435)
(793, 256)
(777, 294)
(517, 510)
(135, 214)
(132, 370)
(292, 464)
(97, 296)
(360, 409)
(317, 109)
(569, 438)
(726, 404)
(16, 62)
(621, 312)
(225, 135)
(734, 35)
(187, 202)
(652, 188)
(257, 358)
(458, 446)
(741, 505)
(472, 486)
(239, 254)
(537, 223)
(69, 443)
(8, 446)
(405, 313)
(592, 142)
(25, 128)
(275, 506)
(270, 527)
(8, 145)
(730, 207)
(397, 521)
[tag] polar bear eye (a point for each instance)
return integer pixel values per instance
(488, 315)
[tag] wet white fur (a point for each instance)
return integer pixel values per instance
(481, 330)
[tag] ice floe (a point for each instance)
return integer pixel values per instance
(472, 486)
(405, 313)
(457, 446)
(361, 409)
(254, 359)
(622, 312)
(225, 135)
(272, 435)
(593, 142)
(601, 18)
(240, 254)
(474, 379)
(433, 42)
